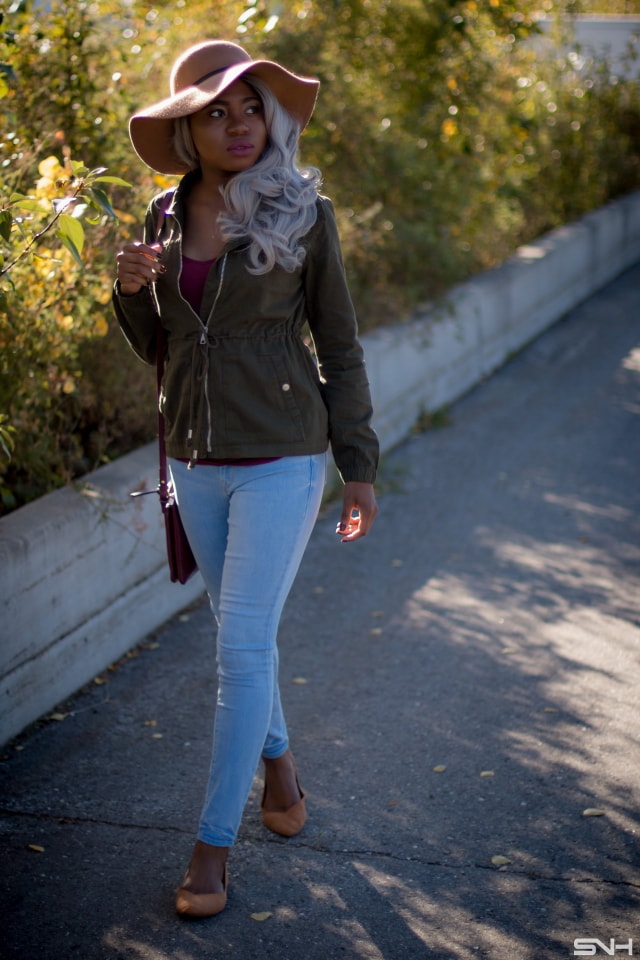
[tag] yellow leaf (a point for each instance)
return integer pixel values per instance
(151, 723)
(593, 812)
(261, 916)
(58, 716)
(50, 168)
(157, 736)
(125, 217)
(300, 681)
(36, 848)
(487, 773)
(162, 181)
(99, 681)
(100, 327)
(440, 768)
(46, 190)
(500, 861)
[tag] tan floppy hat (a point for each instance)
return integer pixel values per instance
(198, 77)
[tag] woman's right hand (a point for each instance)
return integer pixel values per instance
(138, 266)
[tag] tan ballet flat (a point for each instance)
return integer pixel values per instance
(286, 823)
(190, 904)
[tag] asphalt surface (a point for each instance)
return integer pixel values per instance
(460, 686)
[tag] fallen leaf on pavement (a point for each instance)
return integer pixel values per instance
(592, 812)
(36, 848)
(440, 768)
(261, 916)
(500, 861)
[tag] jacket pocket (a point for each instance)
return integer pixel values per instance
(258, 401)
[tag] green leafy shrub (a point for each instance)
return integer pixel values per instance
(54, 288)
(448, 140)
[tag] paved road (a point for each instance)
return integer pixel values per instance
(490, 627)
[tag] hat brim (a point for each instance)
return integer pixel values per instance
(151, 130)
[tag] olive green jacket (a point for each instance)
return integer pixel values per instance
(239, 381)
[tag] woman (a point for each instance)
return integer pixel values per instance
(235, 261)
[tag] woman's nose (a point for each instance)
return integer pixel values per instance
(237, 122)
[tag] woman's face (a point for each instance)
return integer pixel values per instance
(230, 133)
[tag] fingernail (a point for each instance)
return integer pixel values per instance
(342, 527)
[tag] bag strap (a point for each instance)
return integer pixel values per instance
(162, 453)
(163, 488)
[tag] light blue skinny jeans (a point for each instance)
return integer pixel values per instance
(248, 527)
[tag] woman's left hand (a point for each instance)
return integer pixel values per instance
(359, 509)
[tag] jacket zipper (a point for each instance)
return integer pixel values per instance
(204, 343)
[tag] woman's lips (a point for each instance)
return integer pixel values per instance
(239, 149)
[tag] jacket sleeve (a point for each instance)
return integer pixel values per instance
(137, 314)
(333, 326)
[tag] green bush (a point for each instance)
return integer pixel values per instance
(448, 140)
(445, 140)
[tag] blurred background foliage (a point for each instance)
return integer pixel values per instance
(445, 136)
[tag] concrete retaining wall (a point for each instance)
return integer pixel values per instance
(83, 574)
(428, 363)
